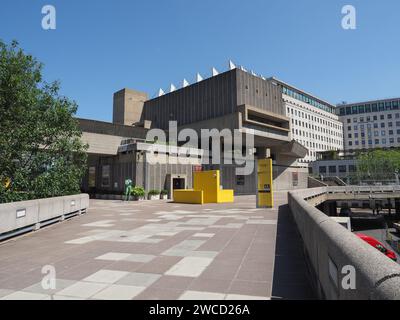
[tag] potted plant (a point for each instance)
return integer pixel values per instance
(154, 195)
(164, 194)
(138, 193)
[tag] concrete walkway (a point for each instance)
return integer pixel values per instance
(148, 250)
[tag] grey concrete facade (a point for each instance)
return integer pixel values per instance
(234, 100)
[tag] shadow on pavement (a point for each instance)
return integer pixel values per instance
(290, 280)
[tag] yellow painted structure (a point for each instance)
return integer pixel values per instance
(206, 189)
(189, 196)
(265, 193)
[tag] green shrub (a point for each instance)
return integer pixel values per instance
(138, 192)
(154, 192)
(164, 192)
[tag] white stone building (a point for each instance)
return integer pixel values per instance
(314, 122)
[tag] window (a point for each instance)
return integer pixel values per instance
(376, 141)
(342, 169)
(352, 168)
(105, 176)
(322, 169)
(92, 177)
(348, 120)
(332, 169)
(240, 180)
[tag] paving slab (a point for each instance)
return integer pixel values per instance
(151, 250)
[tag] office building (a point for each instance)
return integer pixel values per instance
(314, 122)
(370, 124)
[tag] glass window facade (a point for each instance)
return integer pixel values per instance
(368, 107)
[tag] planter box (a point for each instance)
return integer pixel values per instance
(163, 196)
(154, 197)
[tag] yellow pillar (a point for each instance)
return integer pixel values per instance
(265, 194)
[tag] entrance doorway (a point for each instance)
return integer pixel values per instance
(175, 181)
(178, 183)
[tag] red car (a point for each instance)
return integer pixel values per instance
(377, 245)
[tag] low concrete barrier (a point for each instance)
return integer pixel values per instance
(23, 216)
(333, 251)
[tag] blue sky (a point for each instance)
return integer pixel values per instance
(102, 46)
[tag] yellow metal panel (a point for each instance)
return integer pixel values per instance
(225, 196)
(208, 181)
(188, 196)
(206, 189)
(265, 194)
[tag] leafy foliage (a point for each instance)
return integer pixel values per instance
(378, 164)
(154, 192)
(138, 192)
(41, 153)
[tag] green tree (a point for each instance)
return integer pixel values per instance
(41, 153)
(378, 164)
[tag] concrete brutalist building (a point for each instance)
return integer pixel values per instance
(231, 100)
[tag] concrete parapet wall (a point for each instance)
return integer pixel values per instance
(23, 216)
(331, 248)
(314, 183)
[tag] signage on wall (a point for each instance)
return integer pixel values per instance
(295, 179)
(21, 213)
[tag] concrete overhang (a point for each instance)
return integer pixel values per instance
(259, 117)
(294, 149)
(101, 143)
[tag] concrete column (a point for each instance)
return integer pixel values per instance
(145, 172)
